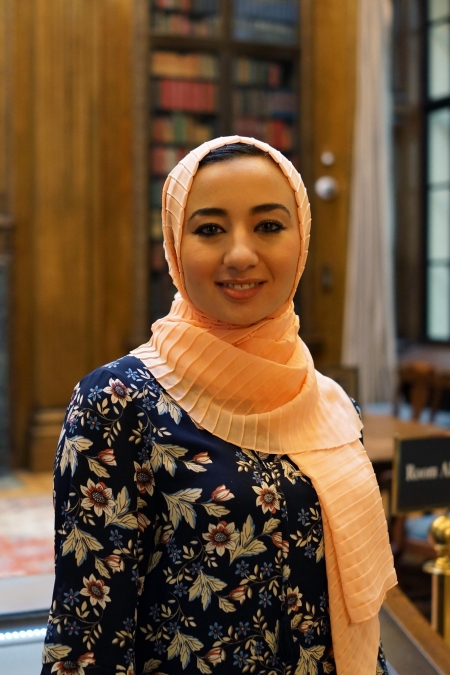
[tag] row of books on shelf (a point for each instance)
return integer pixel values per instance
(197, 6)
(263, 103)
(277, 133)
(268, 32)
(257, 72)
(283, 11)
(184, 24)
(155, 224)
(164, 159)
(190, 65)
(181, 128)
(183, 95)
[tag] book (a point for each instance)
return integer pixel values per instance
(182, 95)
(189, 66)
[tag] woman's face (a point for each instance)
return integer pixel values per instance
(241, 241)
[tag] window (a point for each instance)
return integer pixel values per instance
(437, 114)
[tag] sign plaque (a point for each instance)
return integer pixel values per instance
(421, 474)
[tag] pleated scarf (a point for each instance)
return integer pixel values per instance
(256, 387)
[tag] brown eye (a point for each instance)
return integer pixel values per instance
(270, 226)
(208, 230)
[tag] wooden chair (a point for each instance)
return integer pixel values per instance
(419, 378)
(441, 385)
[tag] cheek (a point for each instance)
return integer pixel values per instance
(198, 265)
(285, 263)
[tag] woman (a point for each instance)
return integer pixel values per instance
(215, 508)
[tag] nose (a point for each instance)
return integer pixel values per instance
(240, 253)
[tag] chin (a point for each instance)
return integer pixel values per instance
(246, 318)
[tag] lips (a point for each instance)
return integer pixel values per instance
(241, 289)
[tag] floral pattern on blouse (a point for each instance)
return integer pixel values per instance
(176, 551)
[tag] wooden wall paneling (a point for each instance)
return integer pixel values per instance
(79, 229)
(22, 380)
(5, 230)
(140, 65)
(115, 253)
(306, 131)
(333, 86)
(5, 104)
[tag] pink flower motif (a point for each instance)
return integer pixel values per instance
(115, 563)
(238, 594)
(279, 542)
(222, 494)
(215, 655)
(202, 458)
(107, 457)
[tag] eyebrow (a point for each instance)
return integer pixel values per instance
(261, 208)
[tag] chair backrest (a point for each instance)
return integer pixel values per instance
(420, 378)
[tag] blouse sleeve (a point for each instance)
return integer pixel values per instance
(102, 497)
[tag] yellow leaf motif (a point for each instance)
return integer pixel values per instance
(80, 542)
(247, 544)
(151, 665)
(308, 660)
(55, 653)
(271, 640)
(166, 455)
(183, 646)
(203, 585)
(270, 525)
(97, 468)
(179, 505)
(213, 509)
(166, 404)
(70, 449)
(319, 551)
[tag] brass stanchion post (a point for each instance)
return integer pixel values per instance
(440, 580)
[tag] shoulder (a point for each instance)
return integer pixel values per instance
(116, 384)
(126, 384)
(119, 378)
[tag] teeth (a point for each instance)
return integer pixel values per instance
(241, 287)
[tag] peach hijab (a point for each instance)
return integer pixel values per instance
(256, 387)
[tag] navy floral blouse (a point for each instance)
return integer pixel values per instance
(176, 551)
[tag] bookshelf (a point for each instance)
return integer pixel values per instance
(216, 67)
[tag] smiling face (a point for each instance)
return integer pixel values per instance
(241, 242)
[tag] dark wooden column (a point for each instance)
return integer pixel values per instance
(73, 206)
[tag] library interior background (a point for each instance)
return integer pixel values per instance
(99, 100)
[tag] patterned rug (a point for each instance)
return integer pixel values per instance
(26, 536)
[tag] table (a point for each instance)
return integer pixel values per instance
(380, 430)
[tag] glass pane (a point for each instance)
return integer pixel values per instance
(270, 21)
(438, 303)
(439, 146)
(439, 224)
(438, 9)
(439, 61)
